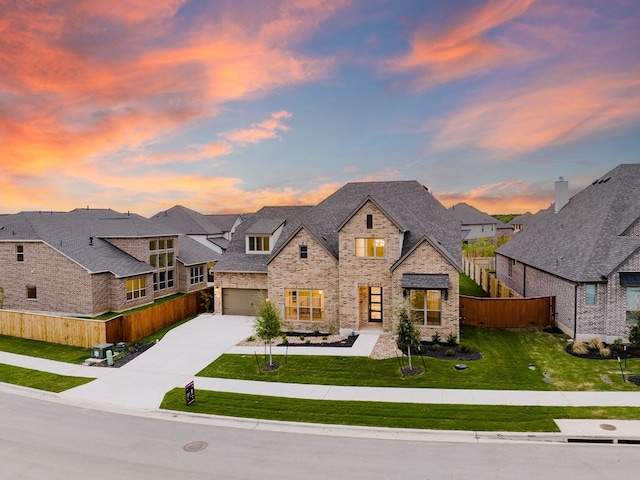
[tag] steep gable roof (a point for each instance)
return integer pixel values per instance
(192, 252)
(586, 240)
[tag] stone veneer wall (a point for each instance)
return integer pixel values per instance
(426, 259)
(319, 271)
(355, 272)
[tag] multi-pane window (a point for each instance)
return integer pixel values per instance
(20, 253)
(304, 304)
(162, 258)
(426, 306)
(304, 253)
(633, 305)
(369, 247)
(259, 244)
(590, 294)
(136, 288)
(197, 275)
(32, 292)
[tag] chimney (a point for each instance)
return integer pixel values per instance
(562, 194)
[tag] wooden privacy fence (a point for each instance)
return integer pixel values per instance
(477, 269)
(83, 332)
(507, 312)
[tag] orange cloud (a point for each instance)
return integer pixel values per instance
(462, 49)
(268, 129)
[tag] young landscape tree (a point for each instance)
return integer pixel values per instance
(407, 335)
(267, 324)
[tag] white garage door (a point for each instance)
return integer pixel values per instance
(240, 301)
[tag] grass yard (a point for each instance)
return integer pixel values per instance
(391, 415)
(50, 351)
(470, 288)
(49, 382)
(505, 366)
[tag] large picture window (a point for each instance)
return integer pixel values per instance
(426, 306)
(304, 305)
(633, 305)
(162, 259)
(369, 247)
(136, 288)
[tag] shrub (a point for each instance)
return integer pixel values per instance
(307, 341)
(579, 348)
(301, 337)
(250, 338)
(452, 339)
(595, 343)
(285, 340)
(435, 338)
(634, 335)
(605, 352)
(450, 352)
(465, 347)
(436, 347)
(325, 338)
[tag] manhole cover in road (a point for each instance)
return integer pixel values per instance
(195, 446)
(607, 426)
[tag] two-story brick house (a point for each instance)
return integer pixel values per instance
(586, 252)
(90, 261)
(347, 262)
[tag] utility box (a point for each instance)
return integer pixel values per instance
(100, 350)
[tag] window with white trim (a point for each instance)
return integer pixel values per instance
(20, 253)
(197, 275)
(258, 243)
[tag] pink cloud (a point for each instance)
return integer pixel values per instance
(462, 48)
(268, 129)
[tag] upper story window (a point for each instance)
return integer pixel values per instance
(590, 294)
(162, 258)
(153, 245)
(20, 253)
(304, 253)
(136, 288)
(369, 247)
(32, 292)
(369, 221)
(258, 244)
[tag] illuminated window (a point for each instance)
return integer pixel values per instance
(369, 247)
(304, 305)
(426, 306)
(259, 244)
(136, 288)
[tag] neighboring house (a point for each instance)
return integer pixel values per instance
(519, 222)
(90, 261)
(586, 252)
(475, 224)
(213, 231)
(347, 262)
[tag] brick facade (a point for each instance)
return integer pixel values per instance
(224, 280)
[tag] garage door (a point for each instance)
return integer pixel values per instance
(240, 301)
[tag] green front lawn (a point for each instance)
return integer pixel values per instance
(50, 351)
(504, 366)
(392, 415)
(470, 288)
(50, 382)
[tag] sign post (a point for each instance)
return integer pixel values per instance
(190, 393)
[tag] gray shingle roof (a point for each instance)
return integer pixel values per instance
(70, 233)
(193, 252)
(585, 241)
(407, 203)
(224, 221)
(469, 215)
(188, 221)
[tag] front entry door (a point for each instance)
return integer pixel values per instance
(375, 304)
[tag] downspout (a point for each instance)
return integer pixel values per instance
(524, 280)
(575, 311)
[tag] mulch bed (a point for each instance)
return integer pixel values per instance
(616, 351)
(317, 341)
(429, 351)
(130, 352)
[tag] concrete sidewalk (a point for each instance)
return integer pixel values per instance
(142, 383)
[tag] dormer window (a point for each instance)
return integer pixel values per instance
(259, 244)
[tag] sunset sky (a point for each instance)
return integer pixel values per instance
(230, 105)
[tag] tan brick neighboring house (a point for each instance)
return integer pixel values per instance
(349, 261)
(90, 261)
(586, 252)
